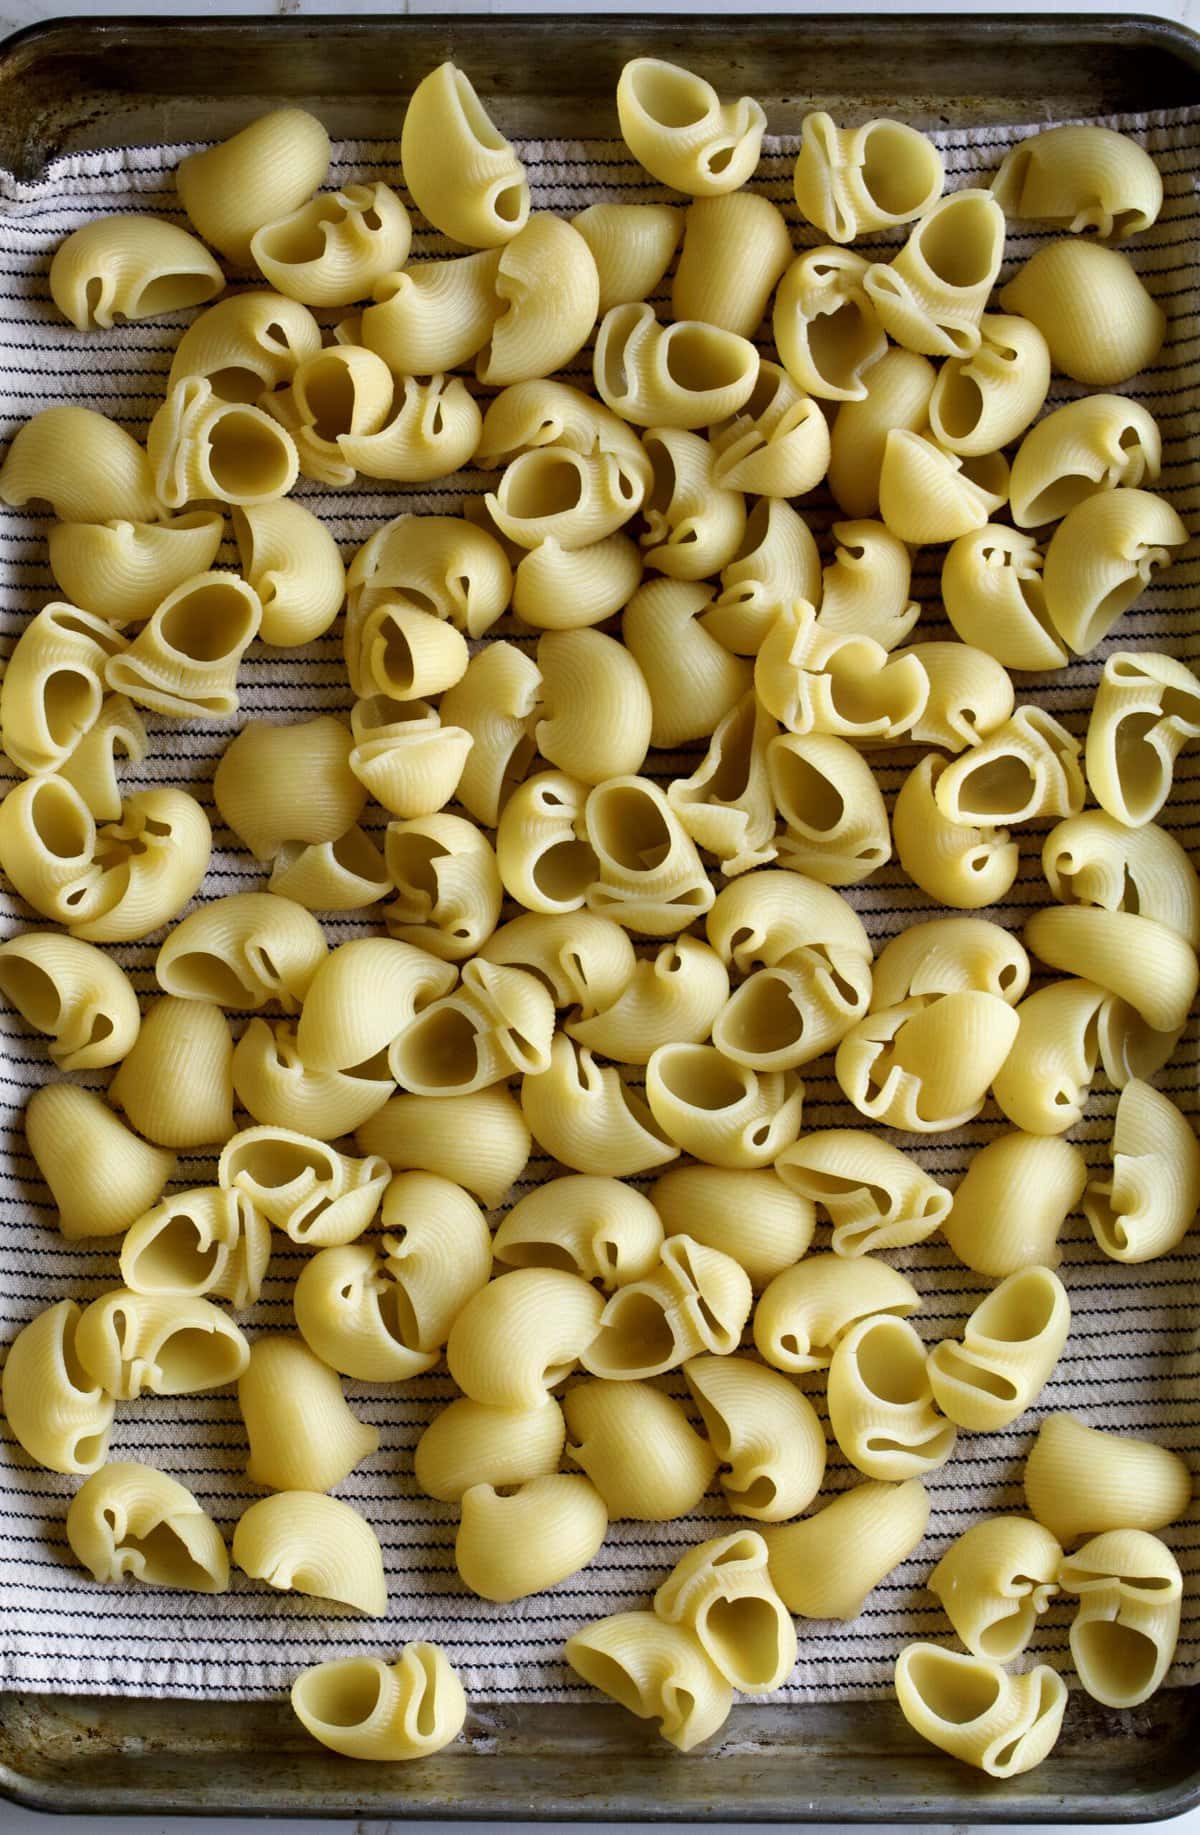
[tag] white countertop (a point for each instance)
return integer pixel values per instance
(15, 14)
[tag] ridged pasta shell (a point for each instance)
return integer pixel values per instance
(184, 661)
(874, 1195)
(567, 589)
(814, 680)
(83, 465)
(673, 1467)
(970, 694)
(433, 316)
(1080, 178)
(343, 875)
(657, 1671)
(994, 597)
(1012, 1202)
(318, 1196)
(444, 563)
(881, 1402)
(243, 951)
(268, 168)
(809, 1565)
(165, 1344)
(776, 562)
(926, 1064)
(782, 1018)
(954, 861)
(448, 885)
(1145, 1206)
(947, 956)
(1015, 1720)
(595, 1227)
(304, 1542)
(494, 704)
(482, 1140)
(597, 711)
(130, 267)
(825, 326)
(176, 1084)
(1136, 958)
(127, 1520)
(721, 1591)
(852, 180)
(694, 524)
(686, 374)
(1125, 1628)
(1100, 558)
(433, 432)
(1009, 1347)
(246, 345)
(292, 562)
(1147, 708)
(983, 402)
(462, 173)
(734, 250)
(367, 1709)
(693, 680)
(650, 878)
(865, 590)
(835, 823)
(48, 846)
(1101, 323)
(632, 246)
(586, 1117)
(778, 444)
(207, 1241)
(353, 1316)
(1087, 446)
(75, 994)
(55, 1410)
(780, 919)
(530, 1538)
(151, 862)
(275, 1085)
(498, 1022)
(1027, 768)
(1080, 1480)
(121, 570)
(585, 961)
(200, 446)
(897, 391)
(726, 804)
(362, 997)
(930, 297)
(521, 1335)
(548, 287)
(92, 767)
(302, 1433)
(467, 1443)
(696, 1299)
(764, 1431)
(674, 996)
(994, 1583)
(927, 494)
(332, 249)
(100, 1175)
(750, 1216)
(399, 651)
(807, 1310)
(1094, 859)
(675, 124)
(53, 685)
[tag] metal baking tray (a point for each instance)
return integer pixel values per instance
(78, 84)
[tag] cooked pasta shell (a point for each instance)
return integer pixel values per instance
(434, 316)
(1146, 710)
(83, 465)
(948, 956)
(433, 432)
(693, 524)
(719, 1110)
(184, 660)
(127, 1520)
(970, 694)
(827, 1565)
(200, 446)
(807, 1310)
(672, 997)
(1007, 1353)
(398, 650)
(1102, 556)
(1101, 324)
(48, 847)
(122, 268)
(657, 1671)
(927, 494)
(865, 588)
(686, 375)
(365, 1708)
(75, 994)
(835, 823)
(597, 1228)
(318, 1196)
(121, 570)
(293, 782)
(780, 919)
(926, 1064)
(92, 767)
(674, 1465)
(974, 1710)
(693, 681)
(521, 1335)
(448, 885)
(543, 861)
(721, 1591)
(726, 804)
(954, 861)
(441, 563)
(696, 1299)
(438, 1252)
(585, 961)
(850, 181)
(994, 597)
(305, 1542)
(1146, 1204)
(352, 1314)
(750, 1216)
(302, 1433)
(405, 756)
(675, 124)
(343, 875)
(548, 288)
(632, 246)
(881, 1402)
(1080, 178)
(462, 173)
(275, 1085)
(207, 1241)
(53, 685)
(650, 876)
(994, 1583)
(555, 493)
(150, 864)
(332, 249)
(362, 996)
(343, 393)
(1126, 1625)
(874, 1195)
(1088, 446)
(586, 1117)
(776, 562)
(777, 445)
(896, 393)
(826, 329)
(543, 412)
(530, 1538)
(100, 1175)
(986, 400)
(497, 1023)
(566, 589)
(467, 1443)
(782, 1018)
(596, 705)
(247, 345)
(242, 952)
(59, 1415)
(1134, 957)
(482, 1140)
(1080, 1480)
(268, 168)
(930, 297)
(292, 562)
(1025, 769)
(817, 680)
(176, 1084)
(164, 1344)
(764, 1432)
(1094, 859)
(1044, 1083)
(494, 705)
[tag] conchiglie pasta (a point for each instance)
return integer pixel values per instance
(726, 804)
(947, 956)
(92, 767)
(874, 1195)
(361, 1321)
(970, 694)
(650, 876)
(777, 918)
(434, 316)
(242, 952)
(977, 1712)
(926, 1064)
(672, 997)
(597, 1228)
(1147, 708)
(1095, 444)
(268, 168)
(543, 861)
(274, 1084)
(674, 1464)
(207, 1242)
(447, 884)
(529, 1539)
(303, 1435)
(494, 704)
(433, 431)
(1044, 1083)
(835, 824)
(176, 1084)
(930, 297)
(983, 402)
(184, 661)
(200, 446)
(54, 1408)
(1093, 859)
(246, 345)
(83, 465)
(777, 445)
(367, 1709)
(1102, 556)
(584, 1115)
(827, 1565)
(776, 562)
(1126, 1625)
(318, 1196)
(693, 681)
(100, 1175)
(75, 994)
(1013, 1201)
(720, 1111)
(522, 1335)
(632, 246)
(462, 173)
(1025, 769)
(1080, 178)
(854, 180)
(481, 1140)
(444, 563)
(781, 1018)
(896, 393)
(929, 495)
(881, 1402)
(1007, 1353)
(398, 650)
(995, 1581)
(693, 524)
(865, 588)
(696, 1299)
(826, 329)
(957, 862)
(163, 1344)
(565, 589)
(291, 782)
(1134, 957)
(543, 412)
(548, 288)
(751, 1216)
(656, 1670)
(585, 961)
(676, 125)
(332, 249)
(128, 1520)
(305, 1542)
(48, 848)
(291, 560)
(406, 756)
(1146, 1204)
(150, 862)
(467, 1443)
(121, 268)
(121, 570)
(1101, 324)
(343, 875)
(686, 375)
(994, 597)
(721, 1590)
(1082, 1480)
(497, 1023)
(597, 709)
(816, 680)
(764, 1432)
(735, 248)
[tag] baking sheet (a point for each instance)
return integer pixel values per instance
(1130, 1363)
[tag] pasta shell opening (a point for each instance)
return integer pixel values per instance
(959, 241)
(742, 1637)
(698, 358)
(439, 1050)
(1018, 1310)
(636, 1336)
(898, 167)
(628, 827)
(191, 1359)
(175, 1260)
(59, 819)
(1116, 1657)
(248, 455)
(953, 1689)
(668, 94)
(161, 1558)
(342, 1694)
(1000, 787)
(33, 993)
(891, 1363)
(842, 341)
(209, 621)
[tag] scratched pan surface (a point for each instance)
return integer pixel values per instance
(78, 85)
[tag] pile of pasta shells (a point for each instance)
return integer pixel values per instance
(670, 959)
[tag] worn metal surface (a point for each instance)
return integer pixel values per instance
(79, 85)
